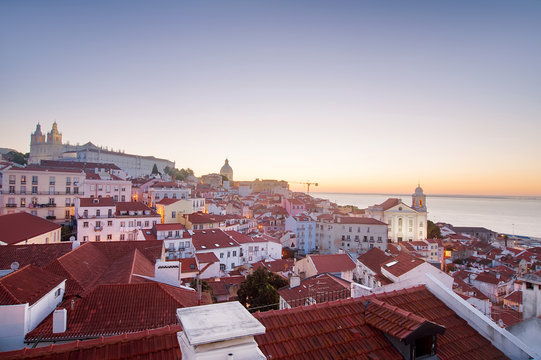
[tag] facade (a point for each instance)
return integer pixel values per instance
(101, 219)
(294, 206)
(357, 234)
(170, 209)
(304, 228)
(226, 249)
(106, 185)
(258, 248)
(166, 190)
(41, 191)
(52, 148)
(214, 180)
(405, 223)
(340, 265)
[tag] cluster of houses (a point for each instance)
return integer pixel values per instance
(369, 283)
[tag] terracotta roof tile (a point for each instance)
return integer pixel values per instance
(27, 285)
(167, 201)
(401, 264)
(212, 239)
(359, 221)
(38, 255)
(321, 288)
(119, 308)
(332, 263)
(96, 202)
(21, 226)
(155, 344)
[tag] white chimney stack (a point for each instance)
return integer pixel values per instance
(219, 331)
(60, 321)
(294, 281)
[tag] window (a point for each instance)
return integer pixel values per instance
(85, 224)
(123, 197)
(23, 202)
(34, 180)
(221, 255)
(68, 201)
(12, 179)
(85, 213)
(147, 223)
(85, 238)
(68, 190)
(12, 189)
(75, 190)
(173, 214)
(109, 223)
(229, 254)
(115, 198)
(51, 190)
(68, 181)
(350, 229)
(67, 214)
(121, 236)
(98, 212)
(23, 189)
(34, 189)
(51, 180)
(109, 237)
(23, 179)
(222, 267)
(139, 223)
(57, 292)
(122, 224)
(97, 238)
(234, 252)
(92, 187)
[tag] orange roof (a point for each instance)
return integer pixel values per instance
(167, 201)
(389, 203)
(401, 264)
(94, 202)
(18, 227)
(27, 285)
(119, 308)
(38, 255)
(332, 263)
(155, 344)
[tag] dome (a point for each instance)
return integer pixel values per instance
(226, 170)
(419, 190)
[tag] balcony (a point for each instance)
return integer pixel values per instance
(11, 205)
(98, 228)
(51, 217)
(36, 205)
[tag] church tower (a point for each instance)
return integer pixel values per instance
(54, 137)
(41, 149)
(419, 200)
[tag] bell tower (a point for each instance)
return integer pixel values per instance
(419, 200)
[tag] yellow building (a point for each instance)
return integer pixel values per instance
(171, 210)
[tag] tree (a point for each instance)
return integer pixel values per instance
(433, 231)
(260, 290)
(17, 157)
(155, 170)
(205, 287)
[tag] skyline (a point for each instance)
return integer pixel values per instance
(357, 96)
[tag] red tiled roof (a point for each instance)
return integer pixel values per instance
(321, 288)
(27, 285)
(167, 227)
(373, 259)
(78, 165)
(94, 202)
(389, 203)
(401, 264)
(359, 221)
(200, 218)
(167, 201)
(487, 278)
(169, 184)
(155, 344)
(240, 238)
(460, 341)
(38, 255)
(205, 258)
(332, 263)
(133, 206)
(396, 322)
(275, 266)
(515, 296)
(188, 265)
(212, 239)
(18, 227)
(119, 308)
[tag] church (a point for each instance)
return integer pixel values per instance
(50, 147)
(227, 171)
(406, 223)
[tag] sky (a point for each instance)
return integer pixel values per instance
(358, 96)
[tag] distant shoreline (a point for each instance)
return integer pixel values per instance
(510, 197)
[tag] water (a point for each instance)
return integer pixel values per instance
(510, 215)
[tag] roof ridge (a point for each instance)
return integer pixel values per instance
(13, 297)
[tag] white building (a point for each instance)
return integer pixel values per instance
(357, 234)
(24, 308)
(258, 248)
(101, 219)
(166, 190)
(304, 228)
(176, 239)
(103, 184)
(226, 249)
(406, 223)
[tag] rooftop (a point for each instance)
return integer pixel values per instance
(27, 285)
(332, 263)
(22, 226)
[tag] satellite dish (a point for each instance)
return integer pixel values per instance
(72, 238)
(15, 266)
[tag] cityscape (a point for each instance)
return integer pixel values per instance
(246, 180)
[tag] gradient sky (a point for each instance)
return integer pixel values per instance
(360, 96)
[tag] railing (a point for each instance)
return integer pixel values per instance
(41, 205)
(51, 217)
(36, 192)
(98, 228)
(11, 205)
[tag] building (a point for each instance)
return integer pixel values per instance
(23, 228)
(106, 185)
(227, 171)
(294, 206)
(257, 248)
(213, 180)
(339, 265)
(172, 209)
(304, 228)
(369, 268)
(226, 249)
(42, 191)
(27, 296)
(313, 290)
(354, 234)
(177, 241)
(101, 219)
(52, 148)
(166, 190)
(406, 223)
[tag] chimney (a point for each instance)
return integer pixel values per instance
(294, 281)
(219, 331)
(60, 321)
